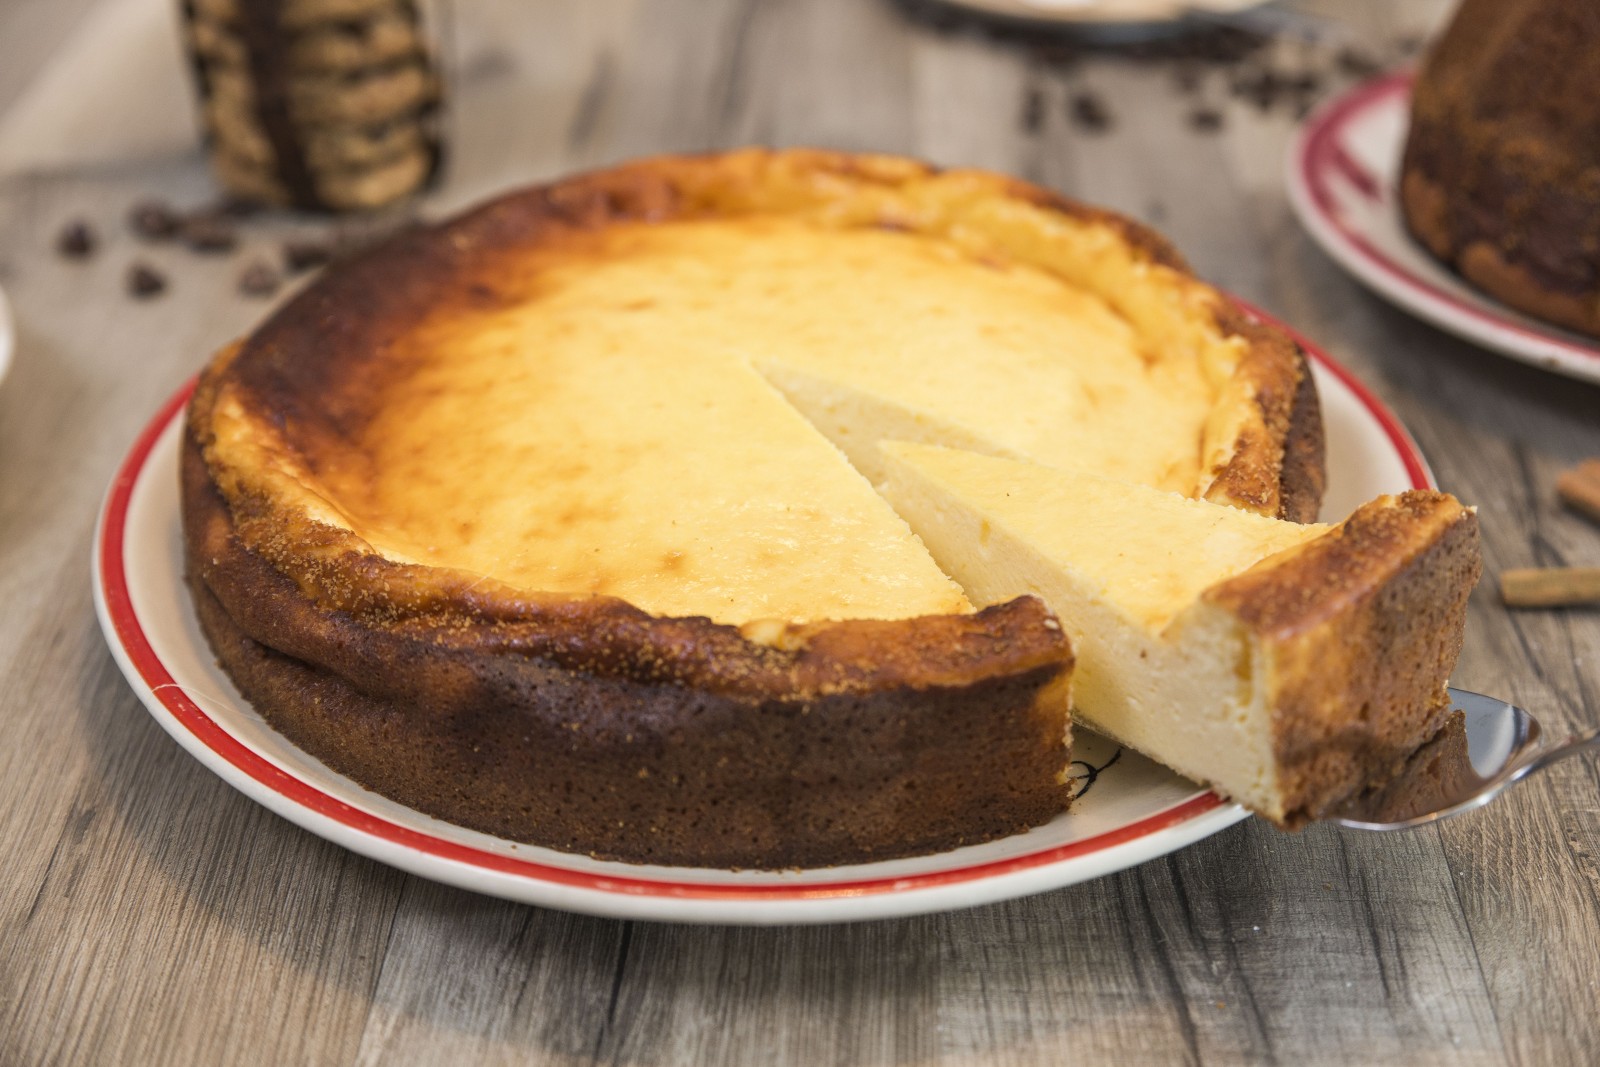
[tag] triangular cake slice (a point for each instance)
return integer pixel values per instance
(1287, 666)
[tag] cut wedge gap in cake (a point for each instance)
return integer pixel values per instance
(1287, 666)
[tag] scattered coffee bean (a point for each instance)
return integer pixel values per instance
(209, 233)
(1357, 63)
(154, 220)
(301, 256)
(1089, 112)
(77, 240)
(1263, 88)
(1306, 83)
(144, 281)
(1187, 78)
(258, 279)
(1206, 120)
(1032, 110)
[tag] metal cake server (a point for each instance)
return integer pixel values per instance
(1484, 747)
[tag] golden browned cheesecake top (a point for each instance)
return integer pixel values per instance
(567, 394)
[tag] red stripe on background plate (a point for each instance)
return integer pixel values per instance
(1325, 156)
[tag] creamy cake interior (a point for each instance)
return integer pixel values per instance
(1124, 567)
(1179, 660)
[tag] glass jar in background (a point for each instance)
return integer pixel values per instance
(322, 105)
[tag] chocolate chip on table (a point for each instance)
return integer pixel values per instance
(1306, 83)
(77, 240)
(1205, 120)
(209, 233)
(1357, 63)
(144, 281)
(1267, 88)
(301, 256)
(1089, 112)
(154, 220)
(259, 279)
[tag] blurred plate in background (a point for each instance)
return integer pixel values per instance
(8, 336)
(1344, 180)
(1105, 13)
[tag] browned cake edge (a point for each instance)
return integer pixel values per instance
(595, 729)
(1516, 218)
(1363, 628)
(1279, 461)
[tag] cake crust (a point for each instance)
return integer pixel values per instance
(1362, 628)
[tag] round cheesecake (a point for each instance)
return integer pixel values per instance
(559, 520)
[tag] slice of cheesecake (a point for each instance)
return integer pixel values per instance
(1287, 666)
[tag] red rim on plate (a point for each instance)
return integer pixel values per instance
(205, 730)
(1322, 159)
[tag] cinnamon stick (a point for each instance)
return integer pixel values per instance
(1579, 488)
(1550, 587)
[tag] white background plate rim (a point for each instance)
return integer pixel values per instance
(8, 336)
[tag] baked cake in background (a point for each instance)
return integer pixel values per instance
(1501, 176)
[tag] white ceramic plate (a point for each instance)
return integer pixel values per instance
(8, 336)
(1343, 177)
(1135, 810)
(1107, 13)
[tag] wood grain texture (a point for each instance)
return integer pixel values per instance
(150, 914)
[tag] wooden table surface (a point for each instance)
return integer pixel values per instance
(151, 914)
